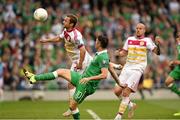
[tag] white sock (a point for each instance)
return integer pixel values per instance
(71, 92)
(125, 100)
(130, 103)
(118, 117)
(123, 105)
(55, 74)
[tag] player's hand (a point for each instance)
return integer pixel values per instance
(84, 81)
(158, 40)
(171, 65)
(117, 53)
(79, 66)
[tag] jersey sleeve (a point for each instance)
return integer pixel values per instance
(150, 44)
(125, 47)
(103, 62)
(79, 41)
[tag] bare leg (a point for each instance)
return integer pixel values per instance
(170, 83)
(71, 90)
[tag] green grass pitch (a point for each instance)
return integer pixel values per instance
(147, 109)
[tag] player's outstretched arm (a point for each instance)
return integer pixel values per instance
(55, 39)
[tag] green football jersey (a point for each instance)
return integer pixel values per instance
(101, 60)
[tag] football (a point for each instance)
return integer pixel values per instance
(40, 14)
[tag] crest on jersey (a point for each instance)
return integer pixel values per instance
(104, 62)
(141, 43)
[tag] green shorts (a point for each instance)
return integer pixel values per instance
(175, 73)
(82, 90)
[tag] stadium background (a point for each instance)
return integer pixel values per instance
(19, 33)
(20, 47)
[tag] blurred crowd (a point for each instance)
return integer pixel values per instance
(20, 34)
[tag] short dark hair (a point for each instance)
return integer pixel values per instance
(103, 41)
(73, 19)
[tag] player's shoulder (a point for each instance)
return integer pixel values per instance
(103, 55)
(148, 39)
(131, 37)
(77, 32)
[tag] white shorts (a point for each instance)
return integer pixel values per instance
(130, 78)
(87, 61)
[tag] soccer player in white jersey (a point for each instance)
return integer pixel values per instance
(75, 48)
(135, 48)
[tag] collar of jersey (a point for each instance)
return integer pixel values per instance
(70, 30)
(140, 37)
(103, 51)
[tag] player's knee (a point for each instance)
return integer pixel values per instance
(117, 91)
(73, 105)
(168, 81)
(126, 92)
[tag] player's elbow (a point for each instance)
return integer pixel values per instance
(158, 52)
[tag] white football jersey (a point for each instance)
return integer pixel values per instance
(137, 52)
(73, 41)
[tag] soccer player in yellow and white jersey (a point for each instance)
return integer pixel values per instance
(135, 48)
(74, 45)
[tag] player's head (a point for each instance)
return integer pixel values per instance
(70, 21)
(101, 42)
(178, 38)
(140, 29)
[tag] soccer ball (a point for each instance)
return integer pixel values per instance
(40, 14)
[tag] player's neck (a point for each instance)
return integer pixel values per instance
(140, 37)
(69, 29)
(100, 49)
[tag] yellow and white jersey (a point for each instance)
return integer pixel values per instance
(137, 52)
(73, 41)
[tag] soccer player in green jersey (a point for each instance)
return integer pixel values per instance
(86, 83)
(175, 73)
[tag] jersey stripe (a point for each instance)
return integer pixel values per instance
(75, 34)
(136, 42)
(135, 55)
(137, 49)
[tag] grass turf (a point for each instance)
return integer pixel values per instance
(147, 109)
